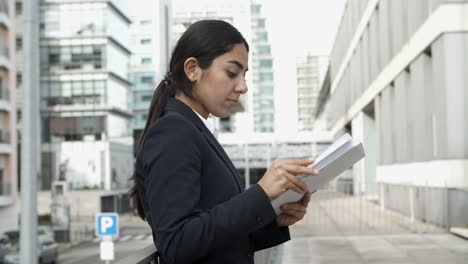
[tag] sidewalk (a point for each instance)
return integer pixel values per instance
(350, 230)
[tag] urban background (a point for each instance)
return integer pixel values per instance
(392, 73)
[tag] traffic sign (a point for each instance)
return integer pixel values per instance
(107, 224)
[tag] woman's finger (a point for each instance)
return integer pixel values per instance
(296, 214)
(297, 182)
(294, 206)
(299, 170)
(306, 199)
(300, 162)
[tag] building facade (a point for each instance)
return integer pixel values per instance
(236, 13)
(398, 83)
(309, 72)
(150, 46)
(85, 93)
(263, 88)
(8, 139)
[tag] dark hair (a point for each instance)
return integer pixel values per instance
(204, 40)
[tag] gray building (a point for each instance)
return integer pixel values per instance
(398, 82)
(150, 44)
(85, 93)
(8, 153)
(309, 72)
(262, 74)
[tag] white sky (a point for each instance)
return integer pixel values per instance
(296, 27)
(300, 25)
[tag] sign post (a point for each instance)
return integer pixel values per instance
(107, 227)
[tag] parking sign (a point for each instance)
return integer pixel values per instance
(107, 224)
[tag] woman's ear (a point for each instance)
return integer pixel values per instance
(192, 69)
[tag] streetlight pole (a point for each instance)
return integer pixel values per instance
(28, 238)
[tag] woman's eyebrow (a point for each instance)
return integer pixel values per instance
(238, 64)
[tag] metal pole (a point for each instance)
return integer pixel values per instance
(28, 242)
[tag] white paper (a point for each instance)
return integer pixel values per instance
(337, 158)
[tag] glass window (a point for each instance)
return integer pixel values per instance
(145, 41)
(146, 98)
(66, 89)
(77, 88)
(145, 60)
(147, 79)
(265, 63)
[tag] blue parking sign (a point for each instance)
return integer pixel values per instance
(107, 224)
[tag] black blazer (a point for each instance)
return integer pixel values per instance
(192, 196)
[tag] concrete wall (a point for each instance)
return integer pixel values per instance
(390, 54)
(441, 206)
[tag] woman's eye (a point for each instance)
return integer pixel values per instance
(231, 74)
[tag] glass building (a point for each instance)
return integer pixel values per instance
(85, 93)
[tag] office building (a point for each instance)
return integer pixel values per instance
(398, 83)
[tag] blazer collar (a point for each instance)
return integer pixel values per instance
(176, 105)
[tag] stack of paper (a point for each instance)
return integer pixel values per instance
(337, 158)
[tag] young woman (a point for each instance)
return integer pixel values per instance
(186, 187)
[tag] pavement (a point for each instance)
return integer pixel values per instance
(337, 229)
(352, 230)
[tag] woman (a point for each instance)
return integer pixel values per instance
(186, 187)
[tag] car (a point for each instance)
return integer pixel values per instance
(47, 252)
(13, 235)
(5, 246)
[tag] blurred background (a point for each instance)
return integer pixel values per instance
(392, 73)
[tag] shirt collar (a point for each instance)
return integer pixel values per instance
(208, 122)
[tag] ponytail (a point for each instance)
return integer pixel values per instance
(160, 96)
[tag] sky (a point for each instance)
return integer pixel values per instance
(297, 27)
(303, 25)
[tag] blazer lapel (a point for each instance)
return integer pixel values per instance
(219, 149)
(178, 106)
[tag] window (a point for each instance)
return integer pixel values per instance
(145, 41)
(19, 79)
(256, 9)
(19, 7)
(266, 77)
(145, 60)
(19, 43)
(146, 98)
(147, 79)
(264, 50)
(261, 23)
(262, 36)
(265, 63)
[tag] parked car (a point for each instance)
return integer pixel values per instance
(43, 233)
(47, 249)
(47, 252)
(5, 246)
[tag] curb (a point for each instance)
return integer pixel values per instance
(460, 232)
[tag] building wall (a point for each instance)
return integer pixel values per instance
(406, 62)
(85, 57)
(114, 57)
(8, 141)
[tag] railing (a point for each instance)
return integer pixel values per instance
(147, 255)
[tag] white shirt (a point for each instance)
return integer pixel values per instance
(208, 122)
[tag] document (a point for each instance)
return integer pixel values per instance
(337, 158)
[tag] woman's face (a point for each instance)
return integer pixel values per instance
(218, 88)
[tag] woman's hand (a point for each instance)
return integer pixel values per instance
(293, 212)
(282, 176)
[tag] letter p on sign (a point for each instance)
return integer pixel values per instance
(107, 224)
